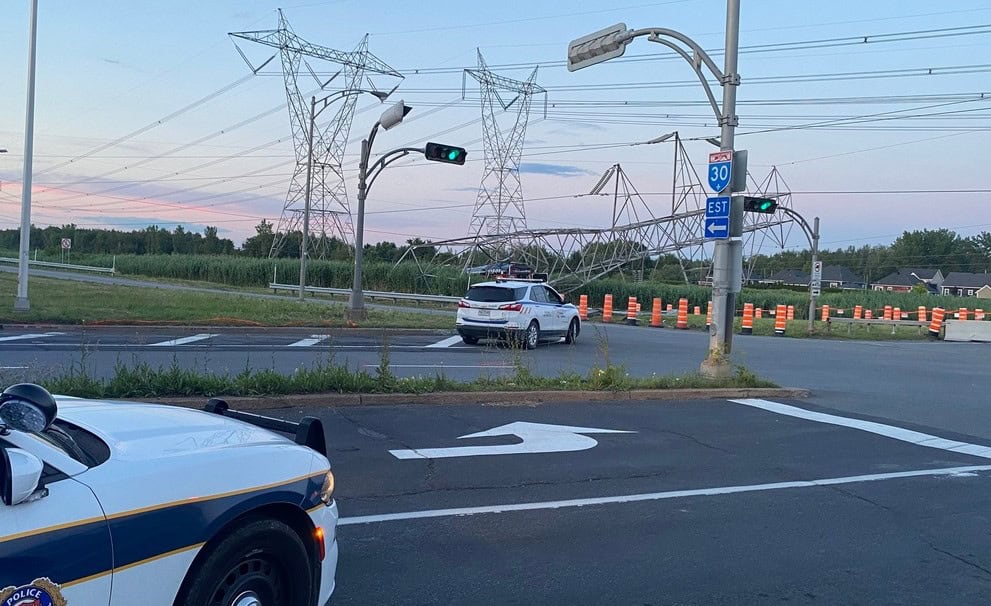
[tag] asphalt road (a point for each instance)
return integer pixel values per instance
(702, 503)
(944, 385)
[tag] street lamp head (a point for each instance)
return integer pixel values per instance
(605, 44)
(394, 115)
(662, 138)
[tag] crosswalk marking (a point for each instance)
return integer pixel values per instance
(446, 342)
(34, 335)
(313, 340)
(183, 340)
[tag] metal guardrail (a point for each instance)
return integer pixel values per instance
(850, 322)
(371, 294)
(52, 264)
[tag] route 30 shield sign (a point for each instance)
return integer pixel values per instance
(720, 170)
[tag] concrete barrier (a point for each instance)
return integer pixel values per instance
(964, 330)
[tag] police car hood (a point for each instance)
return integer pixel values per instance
(143, 431)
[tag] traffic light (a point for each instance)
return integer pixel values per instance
(766, 206)
(438, 152)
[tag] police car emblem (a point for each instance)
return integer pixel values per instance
(41, 592)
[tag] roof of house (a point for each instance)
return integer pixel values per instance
(838, 273)
(921, 273)
(905, 277)
(962, 279)
(790, 276)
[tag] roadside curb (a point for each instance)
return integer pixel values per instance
(504, 398)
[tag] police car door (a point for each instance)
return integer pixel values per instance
(545, 310)
(54, 549)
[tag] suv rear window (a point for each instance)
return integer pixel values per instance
(494, 294)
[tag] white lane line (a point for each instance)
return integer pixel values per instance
(436, 366)
(182, 341)
(35, 335)
(660, 496)
(13, 367)
(313, 340)
(888, 431)
(446, 342)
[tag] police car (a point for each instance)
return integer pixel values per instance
(121, 504)
(522, 311)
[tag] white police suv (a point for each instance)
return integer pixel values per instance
(521, 311)
(121, 504)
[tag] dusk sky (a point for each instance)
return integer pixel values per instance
(839, 117)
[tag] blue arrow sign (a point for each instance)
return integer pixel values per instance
(720, 170)
(717, 228)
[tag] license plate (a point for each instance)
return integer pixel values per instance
(484, 313)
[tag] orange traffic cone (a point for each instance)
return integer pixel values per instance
(937, 322)
(631, 311)
(655, 314)
(607, 309)
(781, 320)
(682, 314)
(747, 324)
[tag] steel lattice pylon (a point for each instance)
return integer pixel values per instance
(499, 207)
(574, 257)
(330, 211)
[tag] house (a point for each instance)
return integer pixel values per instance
(837, 276)
(904, 279)
(964, 284)
(788, 277)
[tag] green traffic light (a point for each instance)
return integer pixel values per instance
(766, 204)
(453, 154)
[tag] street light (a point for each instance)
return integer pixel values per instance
(21, 303)
(436, 152)
(389, 118)
(727, 264)
(314, 112)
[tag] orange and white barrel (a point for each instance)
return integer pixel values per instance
(937, 322)
(858, 312)
(708, 315)
(781, 320)
(747, 324)
(682, 314)
(607, 309)
(583, 307)
(631, 311)
(655, 314)
(825, 313)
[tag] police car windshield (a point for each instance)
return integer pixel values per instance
(494, 294)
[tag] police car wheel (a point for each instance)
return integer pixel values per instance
(532, 335)
(572, 333)
(248, 568)
(470, 340)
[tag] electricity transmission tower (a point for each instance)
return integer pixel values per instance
(329, 209)
(499, 206)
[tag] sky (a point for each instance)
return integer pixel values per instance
(873, 113)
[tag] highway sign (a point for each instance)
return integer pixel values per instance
(717, 217)
(720, 170)
(817, 271)
(66, 243)
(815, 291)
(536, 438)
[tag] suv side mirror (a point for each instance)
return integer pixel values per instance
(20, 472)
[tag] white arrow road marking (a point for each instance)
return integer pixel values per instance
(446, 342)
(182, 341)
(537, 438)
(313, 340)
(36, 335)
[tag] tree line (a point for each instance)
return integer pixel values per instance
(939, 248)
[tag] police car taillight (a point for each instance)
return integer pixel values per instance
(463, 304)
(511, 307)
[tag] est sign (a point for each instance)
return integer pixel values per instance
(716, 222)
(720, 170)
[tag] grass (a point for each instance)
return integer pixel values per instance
(144, 381)
(65, 302)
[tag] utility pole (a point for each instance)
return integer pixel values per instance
(813, 285)
(610, 43)
(21, 303)
(304, 246)
(728, 254)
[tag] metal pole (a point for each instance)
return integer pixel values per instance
(728, 254)
(356, 304)
(21, 303)
(815, 257)
(304, 246)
